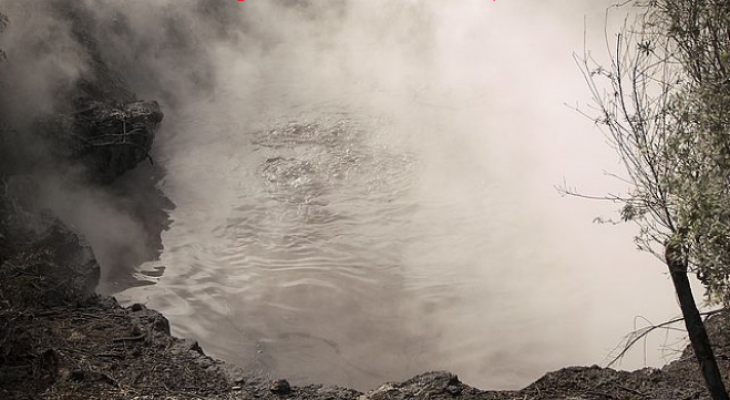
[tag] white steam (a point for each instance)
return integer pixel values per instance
(522, 281)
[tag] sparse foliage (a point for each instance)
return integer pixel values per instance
(667, 113)
(664, 104)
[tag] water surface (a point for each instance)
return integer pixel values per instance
(366, 205)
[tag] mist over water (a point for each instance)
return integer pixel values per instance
(366, 192)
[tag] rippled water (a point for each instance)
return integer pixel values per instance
(363, 231)
(303, 272)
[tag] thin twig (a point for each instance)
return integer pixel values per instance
(641, 333)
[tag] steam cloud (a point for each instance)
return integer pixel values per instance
(475, 88)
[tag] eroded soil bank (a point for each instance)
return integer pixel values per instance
(58, 340)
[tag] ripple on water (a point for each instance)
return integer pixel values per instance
(308, 259)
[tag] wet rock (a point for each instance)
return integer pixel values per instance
(280, 387)
(137, 307)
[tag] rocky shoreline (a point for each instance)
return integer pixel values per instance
(59, 340)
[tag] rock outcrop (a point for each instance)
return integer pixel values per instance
(108, 139)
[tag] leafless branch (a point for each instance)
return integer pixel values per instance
(639, 334)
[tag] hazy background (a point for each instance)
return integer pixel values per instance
(363, 190)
